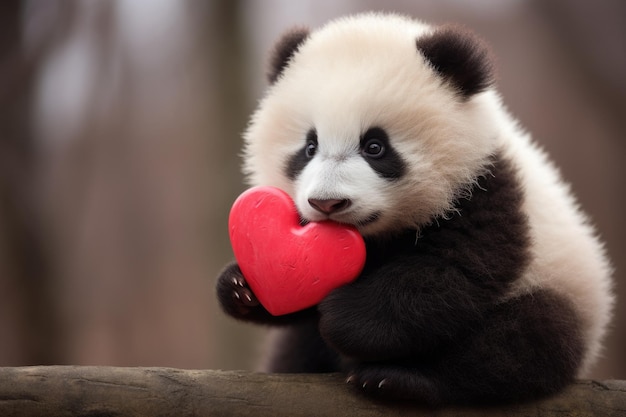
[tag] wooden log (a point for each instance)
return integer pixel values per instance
(55, 391)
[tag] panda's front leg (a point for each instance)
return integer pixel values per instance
(392, 321)
(233, 293)
(410, 338)
(238, 300)
(401, 310)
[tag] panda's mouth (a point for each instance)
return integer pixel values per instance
(349, 220)
(368, 220)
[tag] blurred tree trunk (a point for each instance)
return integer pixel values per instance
(236, 344)
(28, 320)
(113, 215)
(138, 193)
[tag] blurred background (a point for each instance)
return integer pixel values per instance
(120, 125)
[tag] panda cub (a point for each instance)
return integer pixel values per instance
(483, 282)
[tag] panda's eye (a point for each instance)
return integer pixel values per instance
(374, 148)
(310, 149)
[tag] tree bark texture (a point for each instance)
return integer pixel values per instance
(112, 391)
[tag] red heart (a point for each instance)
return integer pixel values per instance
(290, 267)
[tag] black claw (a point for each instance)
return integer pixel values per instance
(247, 298)
(236, 298)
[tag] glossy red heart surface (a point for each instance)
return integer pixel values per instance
(290, 267)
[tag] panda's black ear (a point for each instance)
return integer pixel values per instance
(460, 57)
(284, 49)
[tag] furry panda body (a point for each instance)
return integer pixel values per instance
(483, 282)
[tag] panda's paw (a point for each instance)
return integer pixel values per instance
(242, 294)
(395, 383)
(236, 298)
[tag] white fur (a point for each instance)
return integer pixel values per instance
(391, 87)
(567, 254)
(365, 71)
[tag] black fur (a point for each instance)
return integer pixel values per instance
(460, 57)
(299, 160)
(284, 50)
(390, 165)
(304, 337)
(425, 321)
(523, 349)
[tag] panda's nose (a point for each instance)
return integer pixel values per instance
(329, 206)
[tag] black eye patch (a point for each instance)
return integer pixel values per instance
(298, 161)
(380, 155)
(374, 146)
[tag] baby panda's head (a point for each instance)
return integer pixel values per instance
(376, 120)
